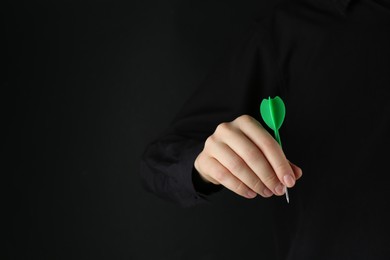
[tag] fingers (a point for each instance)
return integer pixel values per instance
(242, 156)
(249, 163)
(218, 174)
(269, 147)
(236, 166)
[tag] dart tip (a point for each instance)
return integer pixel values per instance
(287, 197)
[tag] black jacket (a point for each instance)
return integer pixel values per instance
(330, 62)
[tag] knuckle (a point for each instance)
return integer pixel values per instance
(244, 119)
(210, 141)
(220, 176)
(201, 162)
(258, 185)
(252, 155)
(197, 162)
(268, 143)
(270, 180)
(240, 188)
(283, 168)
(236, 165)
(222, 128)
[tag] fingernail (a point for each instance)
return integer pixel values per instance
(267, 192)
(279, 189)
(251, 194)
(288, 180)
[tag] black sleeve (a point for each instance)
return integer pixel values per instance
(235, 87)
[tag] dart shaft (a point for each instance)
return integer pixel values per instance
(277, 137)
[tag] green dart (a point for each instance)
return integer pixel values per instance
(273, 112)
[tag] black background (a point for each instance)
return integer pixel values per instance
(87, 85)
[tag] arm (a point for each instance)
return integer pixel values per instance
(234, 88)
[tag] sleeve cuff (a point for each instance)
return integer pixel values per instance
(201, 187)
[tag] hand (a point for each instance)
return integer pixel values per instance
(242, 156)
